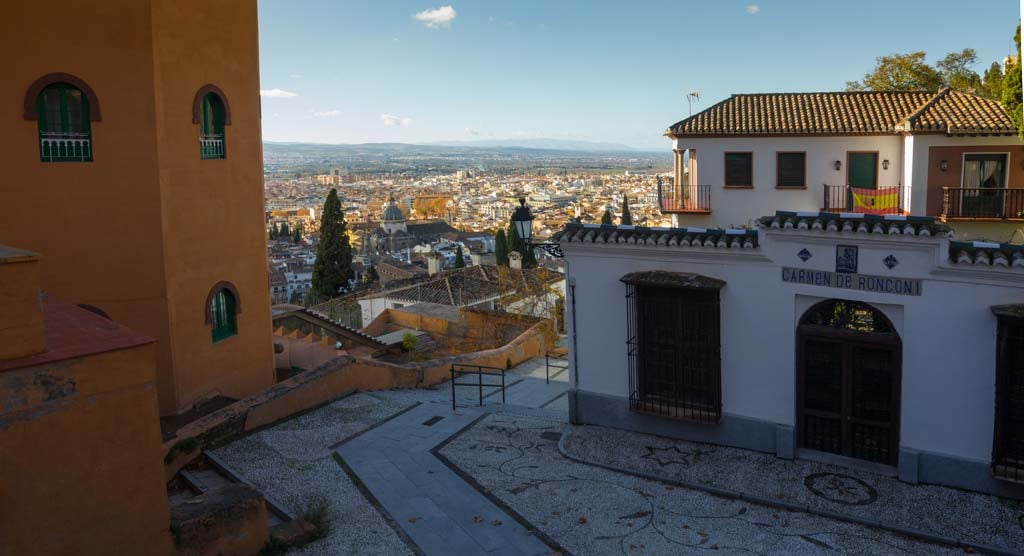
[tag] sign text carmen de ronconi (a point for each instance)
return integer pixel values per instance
(862, 282)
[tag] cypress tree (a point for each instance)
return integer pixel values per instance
(271, 232)
(459, 261)
(627, 218)
(333, 267)
(606, 218)
(370, 276)
(501, 248)
(285, 232)
(297, 236)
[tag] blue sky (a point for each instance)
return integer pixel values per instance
(343, 71)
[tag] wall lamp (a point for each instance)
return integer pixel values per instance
(839, 165)
(885, 164)
(944, 165)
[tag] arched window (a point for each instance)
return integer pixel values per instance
(222, 308)
(64, 131)
(211, 111)
(843, 314)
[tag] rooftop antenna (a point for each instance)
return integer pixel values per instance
(691, 97)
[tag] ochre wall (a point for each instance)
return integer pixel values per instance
(80, 460)
(94, 223)
(21, 320)
(212, 209)
(937, 179)
(147, 228)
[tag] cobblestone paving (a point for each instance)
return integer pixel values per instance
(589, 510)
(966, 516)
(293, 463)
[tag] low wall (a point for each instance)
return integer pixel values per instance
(332, 380)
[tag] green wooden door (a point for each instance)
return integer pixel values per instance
(862, 170)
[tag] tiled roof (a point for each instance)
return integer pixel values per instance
(920, 226)
(983, 253)
(469, 285)
(666, 237)
(848, 113)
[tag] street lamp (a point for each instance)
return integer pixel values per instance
(522, 218)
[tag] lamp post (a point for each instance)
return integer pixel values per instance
(522, 218)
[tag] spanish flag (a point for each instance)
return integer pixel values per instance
(876, 201)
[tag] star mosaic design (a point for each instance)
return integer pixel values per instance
(804, 254)
(672, 455)
(890, 261)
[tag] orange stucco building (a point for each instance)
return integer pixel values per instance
(133, 162)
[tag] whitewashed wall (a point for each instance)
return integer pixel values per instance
(948, 333)
(739, 207)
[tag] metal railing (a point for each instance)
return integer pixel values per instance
(982, 202)
(684, 198)
(560, 366)
(212, 145)
(886, 199)
(480, 372)
(65, 147)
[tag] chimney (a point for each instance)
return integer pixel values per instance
(433, 263)
(515, 260)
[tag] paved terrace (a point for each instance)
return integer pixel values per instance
(404, 474)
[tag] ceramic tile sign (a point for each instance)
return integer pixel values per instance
(846, 259)
(847, 281)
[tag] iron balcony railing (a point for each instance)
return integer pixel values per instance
(684, 198)
(65, 146)
(212, 145)
(887, 199)
(982, 203)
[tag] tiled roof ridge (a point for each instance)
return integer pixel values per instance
(658, 236)
(918, 226)
(987, 253)
(911, 119)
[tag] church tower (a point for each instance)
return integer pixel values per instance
(394, 220)
(133, 158)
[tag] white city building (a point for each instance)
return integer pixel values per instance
(947, 154)
(867, 341)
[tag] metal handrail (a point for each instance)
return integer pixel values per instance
(480, 372)
(548, 366)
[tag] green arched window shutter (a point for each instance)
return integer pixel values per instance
(64, 131)
(222, 313)
(211, 138)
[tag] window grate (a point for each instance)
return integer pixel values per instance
(674, 352)
(1008, 440)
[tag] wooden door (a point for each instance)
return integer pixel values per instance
(862, 170)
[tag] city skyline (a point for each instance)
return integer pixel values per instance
(421, 72)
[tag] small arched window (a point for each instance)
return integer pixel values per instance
(211, 133)
(221, 314)
(64, 131)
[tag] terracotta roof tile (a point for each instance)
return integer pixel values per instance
(848, 113)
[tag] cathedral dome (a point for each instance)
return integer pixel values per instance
(392, 213)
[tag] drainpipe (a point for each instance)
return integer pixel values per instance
(575, 350)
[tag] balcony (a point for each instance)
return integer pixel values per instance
(982, 203)
(65, 146)
(891, 199)
(211, 145)
(684, 199)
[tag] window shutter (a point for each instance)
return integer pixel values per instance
(739, 169)
(790, 170)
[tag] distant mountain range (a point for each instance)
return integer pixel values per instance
(551, 144)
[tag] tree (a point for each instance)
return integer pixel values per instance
(285, 232)
(627, 218)
(501, 248)
(459, 261)
(992, 82)
(272, 232)
(955, 70)
(370, 276)
(606, 218)
(333, 267)
(899, 72)
(1011, 97)
(297, 236)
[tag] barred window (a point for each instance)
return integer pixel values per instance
(64, 131)
(1008, 439)
(211, 132)
(674, 346)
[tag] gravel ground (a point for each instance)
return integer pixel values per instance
(589, 510)
(292, 462)
(971, 517)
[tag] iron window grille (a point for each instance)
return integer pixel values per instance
(1008, 438)
(674, 350)
(211, 132)
(65, 134)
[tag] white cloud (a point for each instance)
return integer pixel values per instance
(472, 131)
(391, 120)
(328, 113)
(277, 93)
(437, 17)
(753, 9)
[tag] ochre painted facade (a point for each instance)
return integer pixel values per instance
(146, 228)
(1005, 231)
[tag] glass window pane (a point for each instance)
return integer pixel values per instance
(51, 108)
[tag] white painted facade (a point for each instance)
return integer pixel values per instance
(948, 333)
(739, 207)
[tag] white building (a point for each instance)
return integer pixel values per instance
(857, 339)
(947, 154)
